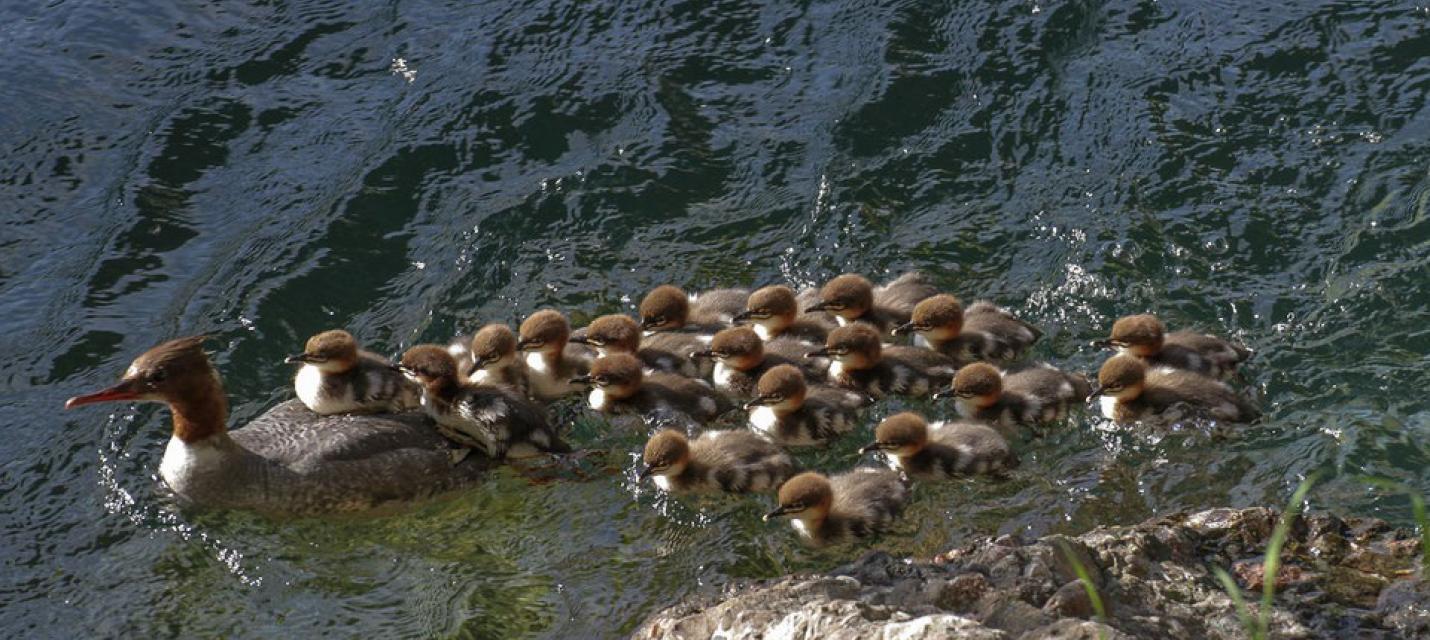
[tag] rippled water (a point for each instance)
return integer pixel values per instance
(262, 171)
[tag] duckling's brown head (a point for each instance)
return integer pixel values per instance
(333, 351)
(618, 374)
(1121, 377)
(177, 372)
(429, 365)
(738, 347)
(855, 346)
(979, 383)
(666, 454)
(806, 496)
(493, 344)
(613, 333)
(937, 319)
(773, 307)
(902, 434)
(782, 388)
(665, 308)
(848, 296)
(546, 331)
(1141, 335)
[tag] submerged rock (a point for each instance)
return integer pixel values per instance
(1338, 578)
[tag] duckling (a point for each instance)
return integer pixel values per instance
(337, 377)
(1145, 336)
(667, 351)
(550, 361)
(985, 332)
(729, 461)
(495, 419)
(787, 410)
(941, 450)
(1038, 395)
(1132, 391)
(852, 298)
(854, 504)
(774, 313)
(740, 359)
(621, 386)
(667, 308)
(492, 359)
(861, 362)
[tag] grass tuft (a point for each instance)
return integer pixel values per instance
(1417, 508)
(1088, 585)
(1259, 627)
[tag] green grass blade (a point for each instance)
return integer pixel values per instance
(1417, 508)
(1273, 553)
(1235, 592)
(1087, 584)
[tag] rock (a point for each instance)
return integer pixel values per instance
(1338, 578)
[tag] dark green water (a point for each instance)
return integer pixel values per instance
(257, 171)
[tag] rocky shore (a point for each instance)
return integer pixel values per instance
(1351, 578)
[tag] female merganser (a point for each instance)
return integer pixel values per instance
(495, 419)
(774, 312)
(550, 361)
(665, 351)
(985, 332)
(861, 362)
(852, 298)
(729, 461)
(941, 450)
(1144, 336)
(337, 377)
(1038, 395)
(740, 359)
(791, 413)
(854, 504)
(621, 386)
(1132, 391)
(667, 308)
(288, 460)
(492, 359)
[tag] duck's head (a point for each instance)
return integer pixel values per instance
(1122, 377)
(619, 375)
(175, 372)
(429, 365)
(806, 496)
(665, 308)
(666, 454)
(848, 296)
(332, 351)
(979, 384)
(773, 307)
(612, 334)
(493, 345)
(782, 388)
(738, 347)
(902, 434)
(855, 346)
(1141, 335)
(546, 331)
(937, 319)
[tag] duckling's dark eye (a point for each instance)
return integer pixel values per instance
(158, 375)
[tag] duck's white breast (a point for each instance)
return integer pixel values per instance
(598, 399)
(764, 419)
(1109, 406)
(309, 384)
(183, 460)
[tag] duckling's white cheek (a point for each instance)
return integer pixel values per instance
(895, 462)
(662, 482)
(836, 369)
(843, 321)
(308, 384)
(921, 341)
(763, 419)
(483, 376)
(763, 331)
(723, 374)
(800, 526)
(536, 362)
(598, 399)
(965, 407)
(1109, 406)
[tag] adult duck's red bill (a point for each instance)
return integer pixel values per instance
(121, 391)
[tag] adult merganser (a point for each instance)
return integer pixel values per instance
(740, 359)
(667, 351)
(621, 386)
(852, 298)
(942, 449)
(337, 377)
(496, 419)
(492, 359)
(667, 308)
(1037, 395)
(288, 460)
(790, 412)
(985, 332)
(854, 504)
(1144, 336)
(550, 361)
(1132, 391)
(774, 312)
(729, 461)
(861, 362)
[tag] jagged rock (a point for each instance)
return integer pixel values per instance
(1339, 578)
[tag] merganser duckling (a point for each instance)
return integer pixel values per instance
(729, 461)
(852, 298)
(861, 362)
(288, 460)
(1132, 391)
(665, 351)
(1035, 396)
(854, 504)
(621, 386)
(941, 450)
(337, 377)
(1145, 336)
(495, 419)
(985, 332)
(551, 362)
(492, 359)
(740, 359)
(791, 413)
(774, 313)
(667, 308)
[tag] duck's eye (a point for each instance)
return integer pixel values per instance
(157, 376)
